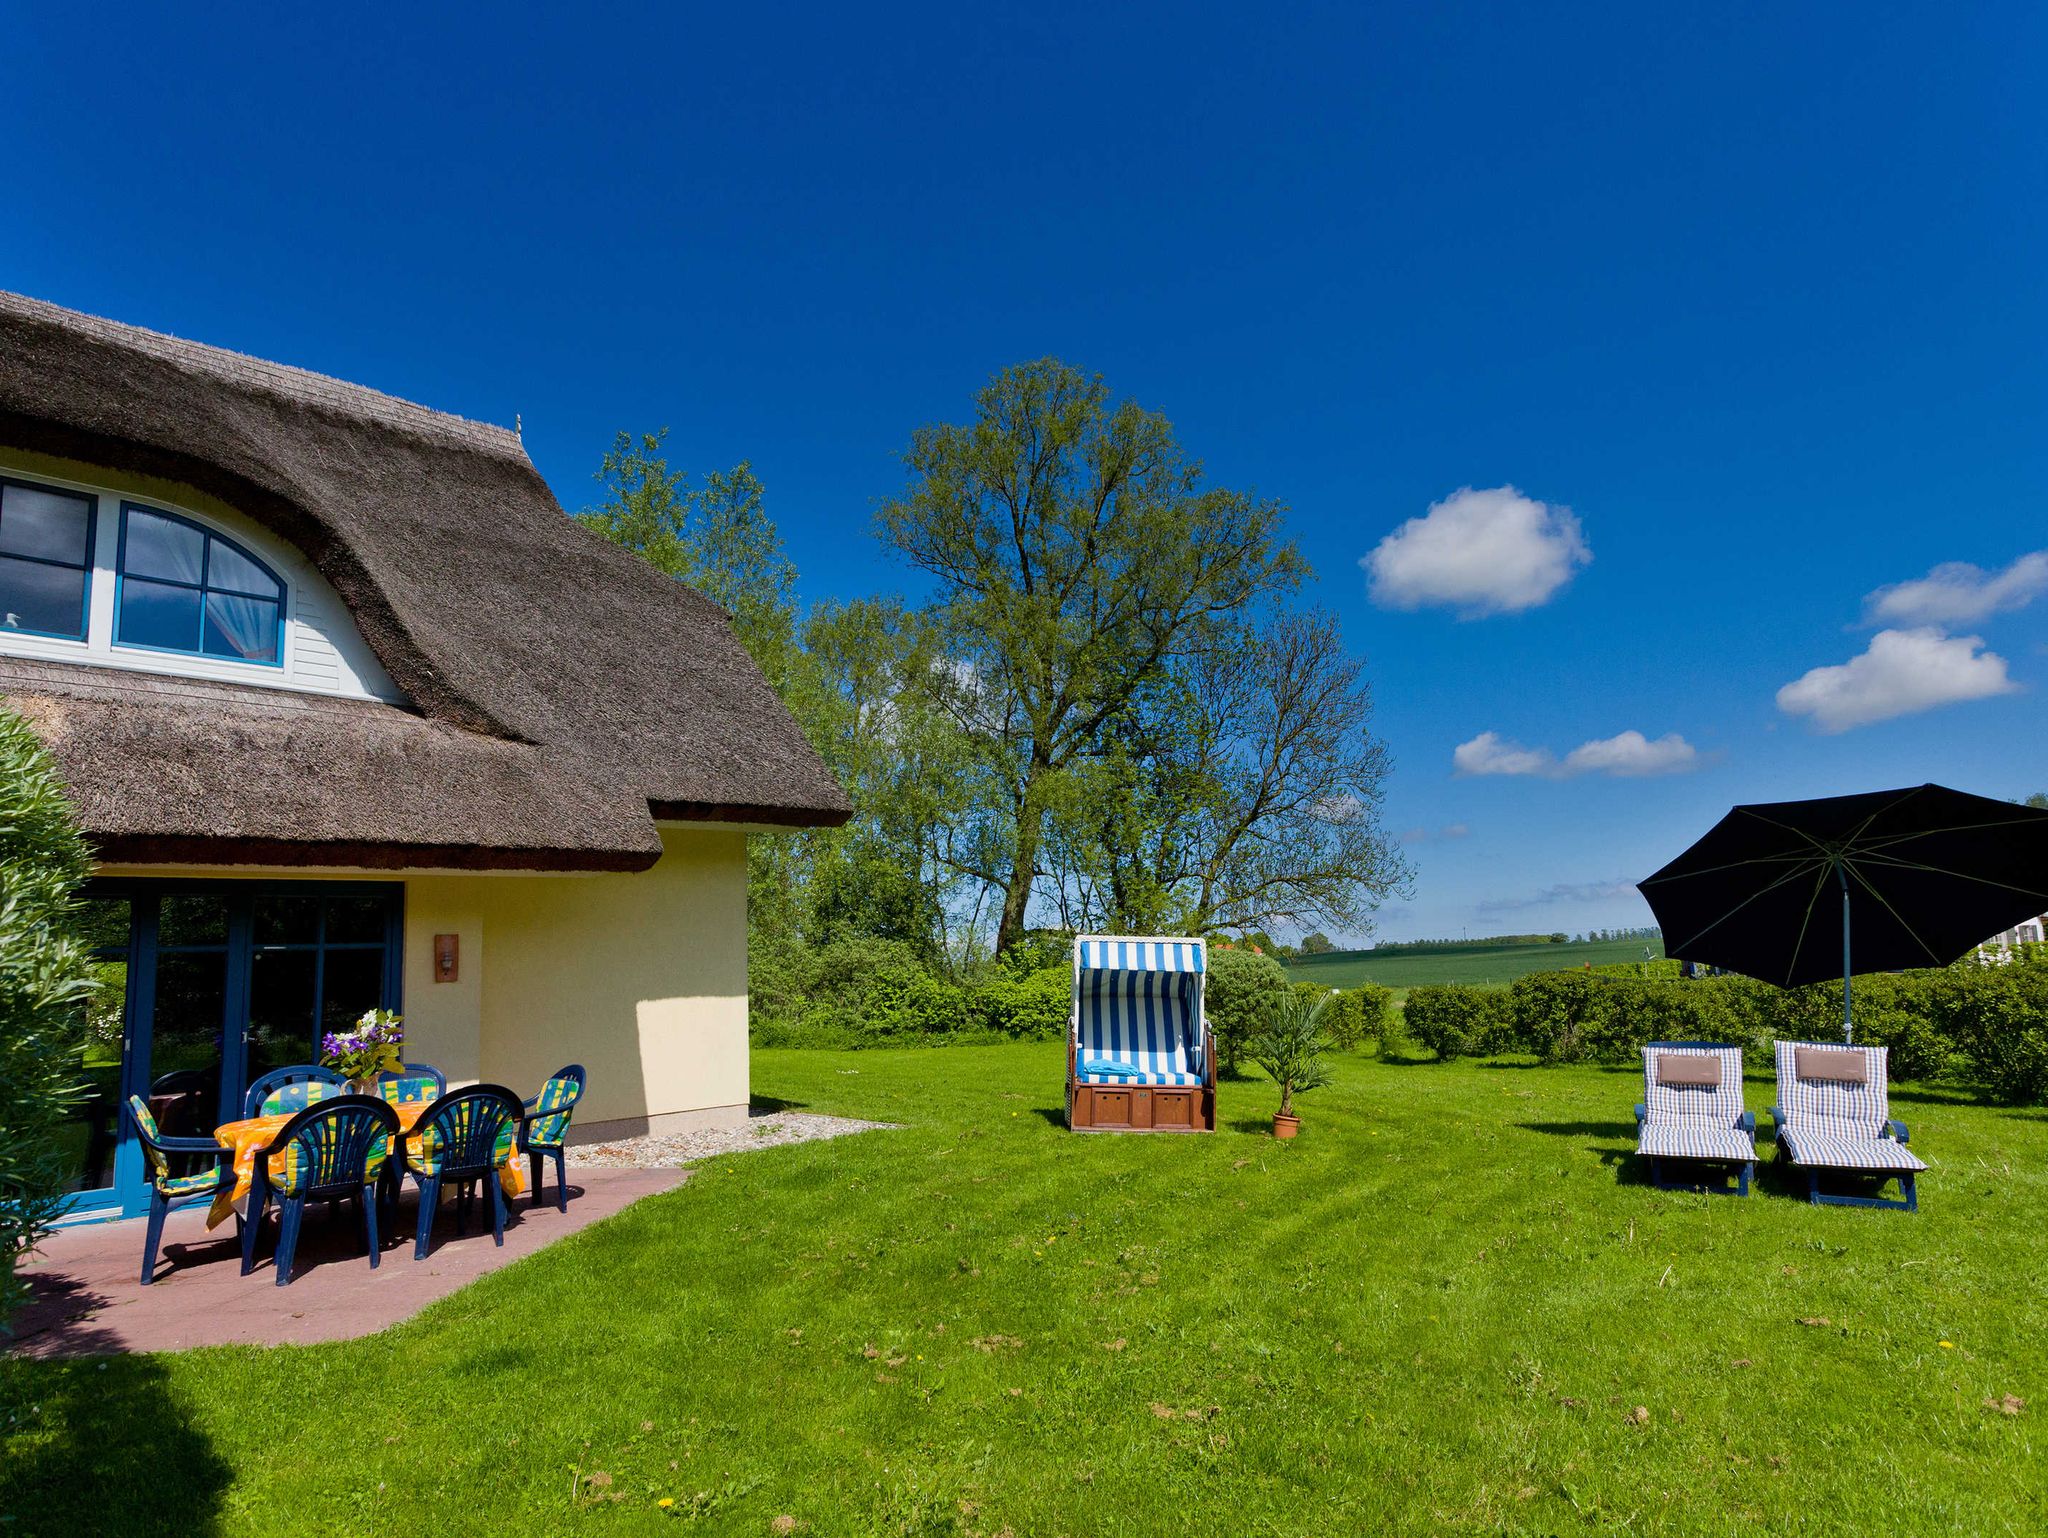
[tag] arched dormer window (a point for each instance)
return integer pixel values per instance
(183, 588)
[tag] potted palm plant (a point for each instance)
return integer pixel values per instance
(1290, 1049)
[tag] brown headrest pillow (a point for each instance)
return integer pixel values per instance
(1688, 1070)
(1832, 1065)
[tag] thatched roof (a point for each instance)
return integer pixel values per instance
(565, 694)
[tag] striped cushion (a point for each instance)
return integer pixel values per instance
(1122, 1073)
(1693, 1138)
(139, 1108)
(1147, 1021)
(1844, 1146)
(202, 1184)
(296, 1097)
(408, 1089)
(556, 1094)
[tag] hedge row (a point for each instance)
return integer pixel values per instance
(1986, 1025)
(867, 992)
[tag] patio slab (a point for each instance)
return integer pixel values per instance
(86, 1298)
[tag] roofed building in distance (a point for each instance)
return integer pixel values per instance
(355, 716)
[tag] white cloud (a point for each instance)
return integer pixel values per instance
(1957, 593)
(1479, 552)
(1456, 830)
(1901, 672)
(1631, 753)
(1567, 892)
(1627, 754)
(1450, 830)
(1490, 753)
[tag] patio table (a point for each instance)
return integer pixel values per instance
(252, 1133)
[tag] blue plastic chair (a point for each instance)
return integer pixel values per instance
(460, 1140)
(412, 1081)
(332, 1150)
(167, 1190)
(285, 1079)
(544, 1129)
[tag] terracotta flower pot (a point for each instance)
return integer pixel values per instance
(1285, 1126)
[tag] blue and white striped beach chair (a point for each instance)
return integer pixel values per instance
(1138, 1048)
(1833, 1112)
(1692, 1111)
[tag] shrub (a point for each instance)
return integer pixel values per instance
(1241, 996)
(2000, 1023)
(1024, 1004)
(1554, 1013)
(45, 982)
(1458, 1020)
(877, 991)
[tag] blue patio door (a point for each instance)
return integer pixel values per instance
(216, 983)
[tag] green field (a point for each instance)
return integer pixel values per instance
(1452, 1306)
(1480, 962)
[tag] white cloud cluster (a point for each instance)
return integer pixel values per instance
(1628, 754)
(1566, 892)
(1901, 672)
(1479, 552)
(1450, 830)
(1957, 593)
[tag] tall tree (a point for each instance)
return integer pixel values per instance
(717, 537)
(1076, 553)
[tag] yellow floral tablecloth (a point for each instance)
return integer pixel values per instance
(252, 1133)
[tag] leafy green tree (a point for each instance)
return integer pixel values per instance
(2038, 798)
(1240, 996)
(716, 537)
(1076, 553)
(45, 985)
(1316, 943)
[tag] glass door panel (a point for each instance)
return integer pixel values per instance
(93, 1123)
(283, 985)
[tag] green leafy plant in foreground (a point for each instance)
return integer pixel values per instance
(1290, 1049)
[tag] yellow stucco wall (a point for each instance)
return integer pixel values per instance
(641, 977)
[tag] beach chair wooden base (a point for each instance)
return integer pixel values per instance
(1141, 1108)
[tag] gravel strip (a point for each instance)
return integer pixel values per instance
(764, 1129)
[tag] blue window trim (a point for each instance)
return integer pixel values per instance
(202, 587)
(92, 530)
(128, 1195)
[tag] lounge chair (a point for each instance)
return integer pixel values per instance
(1692, 1112)
(1833, 1112)
(1139, 1055)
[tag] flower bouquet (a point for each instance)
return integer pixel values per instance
(371, 1048)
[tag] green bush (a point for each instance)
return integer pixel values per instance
(1024, 1004)
(45, 982)
(1458, 1020)
(1242, 997)
(1353, 1018)
(2000, 1024)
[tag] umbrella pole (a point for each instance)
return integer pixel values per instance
(1848, 1025)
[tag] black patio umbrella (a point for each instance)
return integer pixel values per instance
(1928, 872)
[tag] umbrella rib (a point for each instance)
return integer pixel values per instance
(1942, 870)
(1712, 870)
(1865, 882)
(1819, 879)
(1724, 918)
(1972, 827)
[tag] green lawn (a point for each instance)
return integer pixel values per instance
(1438, 1311)
(1475, 963)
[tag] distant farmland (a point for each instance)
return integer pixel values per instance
(1478, 962)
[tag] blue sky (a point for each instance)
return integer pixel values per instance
(1753, 292)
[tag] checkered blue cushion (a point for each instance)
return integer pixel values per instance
(1841, 1146)
(1687, 1122)
(1694, 1138)
(1835, 1125)
(1720, 1106)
